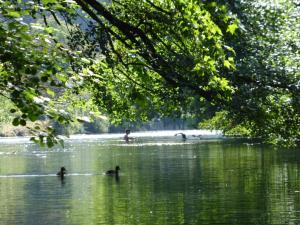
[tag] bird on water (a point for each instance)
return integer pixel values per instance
(113, 172)
(182, 135)
(62, 172)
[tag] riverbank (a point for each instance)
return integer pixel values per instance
(12, 131)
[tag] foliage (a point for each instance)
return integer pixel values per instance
(5, 115)
(137, 57)
(32, 66)
(223, 121)
(267, 75)
(154, 56)
(135, 60)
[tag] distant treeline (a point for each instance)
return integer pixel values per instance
(102, 126)
(97, 126)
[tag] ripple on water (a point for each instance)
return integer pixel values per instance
(45, 175)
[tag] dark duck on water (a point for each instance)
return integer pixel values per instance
(182, 135)
(62, 172)
(113, 172)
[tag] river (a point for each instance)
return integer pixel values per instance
(163, 181)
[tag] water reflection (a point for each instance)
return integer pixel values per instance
(204, 182)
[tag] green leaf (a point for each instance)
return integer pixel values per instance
(13, 14)
(85, 60)
(33, 117)
(50, 142)
(13, 110)
(61, 77)
(231, 28)
(16, 122)
(206, 58)
(227, 64)
(22, 122)
(49, 30)
(50, 92)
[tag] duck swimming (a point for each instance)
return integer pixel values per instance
(62, 172)
(113, 172)
(182, 135)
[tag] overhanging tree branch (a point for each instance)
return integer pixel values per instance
(145, 46)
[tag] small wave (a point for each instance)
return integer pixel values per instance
(80, 174)
(151, 144)
(43, 175)
(27, 175)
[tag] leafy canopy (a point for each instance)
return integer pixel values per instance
(132, 58)
(267, 73)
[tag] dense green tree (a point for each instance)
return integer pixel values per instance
(267, 73)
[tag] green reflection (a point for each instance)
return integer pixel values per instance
(220, 182)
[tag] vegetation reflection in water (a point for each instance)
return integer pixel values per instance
(170, 182)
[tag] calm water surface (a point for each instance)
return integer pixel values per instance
(163, 181)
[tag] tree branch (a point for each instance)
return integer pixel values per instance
(145, 46)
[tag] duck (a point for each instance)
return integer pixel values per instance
(182, 135)
(62, 172)
(113, 172)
